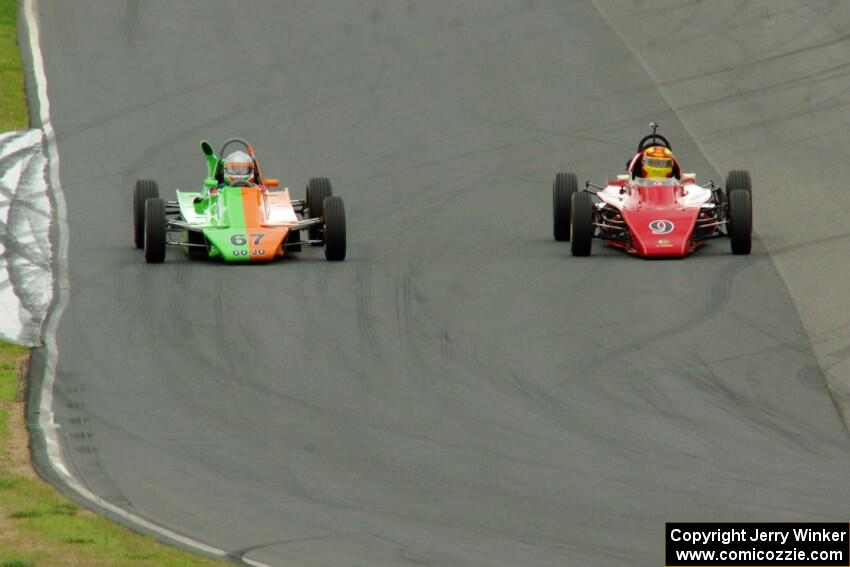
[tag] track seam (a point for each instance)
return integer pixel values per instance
(659, 85)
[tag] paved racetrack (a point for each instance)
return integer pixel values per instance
(460, 391)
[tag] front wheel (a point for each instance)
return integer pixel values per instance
(738, 179)
(563, 188)
(740, 221)
(581, 224)
(155, 228)
(201, 250)
(318, 189)
(145, 189)
(334, 233)
(293, 237)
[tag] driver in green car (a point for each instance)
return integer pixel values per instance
(237, 166)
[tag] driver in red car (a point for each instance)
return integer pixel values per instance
(657, 163)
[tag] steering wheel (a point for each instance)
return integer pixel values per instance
(656, 140)
(240, 183)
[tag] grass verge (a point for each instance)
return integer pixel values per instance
(13, 103)
(38, 526)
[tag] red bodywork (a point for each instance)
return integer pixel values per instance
(660, 223)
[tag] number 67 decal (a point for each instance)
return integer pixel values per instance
(240, 240)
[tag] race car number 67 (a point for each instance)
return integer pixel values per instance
(239, 240)
(661, 226)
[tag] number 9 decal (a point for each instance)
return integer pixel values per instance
(661, 226)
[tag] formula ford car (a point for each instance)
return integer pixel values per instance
(239, 221)
(653, 218)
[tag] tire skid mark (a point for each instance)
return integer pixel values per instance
(178, 304)
(364, 299)
(716, 302)
(749, 409)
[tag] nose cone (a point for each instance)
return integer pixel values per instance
(260, 244)
(661, 233)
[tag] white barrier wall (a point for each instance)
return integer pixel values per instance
(25, 274)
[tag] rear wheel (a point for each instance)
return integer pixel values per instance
(740, 221)
(334, 233)
(294, 236)
(145, 189)
(318, 189)
(197, 252)
(581, 224)
(563, 188)
(155, 225)
(738, 179)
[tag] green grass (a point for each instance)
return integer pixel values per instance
(40, 527)
(13, 103)
(9, 354)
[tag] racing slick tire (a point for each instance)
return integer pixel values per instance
(145, 189)
(294, 236)
(563, 188)
(334, 233)
(581, 224)
(738, 179)
(155, 225)
(318, 189)
(740, 221)
(196, 252)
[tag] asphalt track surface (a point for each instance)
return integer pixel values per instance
(460, 391)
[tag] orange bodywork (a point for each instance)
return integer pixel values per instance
(256, 223)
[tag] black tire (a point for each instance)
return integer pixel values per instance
(334, 233)
(738, 179)
(155, 225)
(740, 221)
(195, 252)
(294, 236)
(581, 224)
(145, 189)
(318, 189)
(563, 188)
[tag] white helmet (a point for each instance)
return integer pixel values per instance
(238, 166)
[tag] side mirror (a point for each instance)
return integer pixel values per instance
(271, 182)
(207, 148)
(210, 183)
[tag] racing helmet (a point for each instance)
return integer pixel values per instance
(238, 166)
(657, 163)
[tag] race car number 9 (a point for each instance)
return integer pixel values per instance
(661, 226)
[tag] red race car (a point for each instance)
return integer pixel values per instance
(655, 210)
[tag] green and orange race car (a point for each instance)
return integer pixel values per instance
(237, 218)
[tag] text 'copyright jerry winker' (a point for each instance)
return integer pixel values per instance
(757, 544)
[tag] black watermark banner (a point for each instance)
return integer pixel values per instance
(757, 544)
